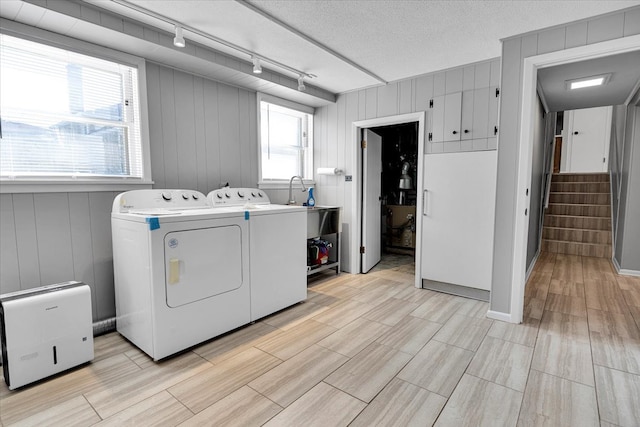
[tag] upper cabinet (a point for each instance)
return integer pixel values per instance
(466, 115)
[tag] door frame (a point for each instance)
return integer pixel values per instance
(356, 187)
(525, 154)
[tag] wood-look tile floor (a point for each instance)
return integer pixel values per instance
(371, 349)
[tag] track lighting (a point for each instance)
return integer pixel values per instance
(301, 86)
(257, 68)
(178, 40)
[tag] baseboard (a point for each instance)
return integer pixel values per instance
(624, 271)
(498, 315)
(461, 291)
(533, 262)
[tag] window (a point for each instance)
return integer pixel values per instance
(66, 116)
(286, 140)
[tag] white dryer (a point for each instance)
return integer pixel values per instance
(278, 248)
(181, 269)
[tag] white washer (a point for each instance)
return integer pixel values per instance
(278, 248)
(181, 269)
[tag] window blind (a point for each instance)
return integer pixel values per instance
(66, 115)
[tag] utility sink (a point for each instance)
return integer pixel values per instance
(322, 220)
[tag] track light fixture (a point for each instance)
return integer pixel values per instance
(257, 68)
(178, 40)
(301, 86)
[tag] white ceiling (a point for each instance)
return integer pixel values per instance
(389, 39)
(624, 81)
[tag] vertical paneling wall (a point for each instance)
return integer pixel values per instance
(202, 133)
(627, 232)
(514, 51)
(540, 149)
(333, 127)
(55, 237)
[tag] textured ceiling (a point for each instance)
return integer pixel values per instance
(391, 39)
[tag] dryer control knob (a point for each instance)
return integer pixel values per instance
(260, 194)
(219, 195)
(240, 194)
(195, 196)
(227, 195)
(185, 196)
(166, 195)
(253, 194)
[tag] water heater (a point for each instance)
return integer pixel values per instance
(45, 331)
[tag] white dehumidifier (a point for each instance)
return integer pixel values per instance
(45, 330)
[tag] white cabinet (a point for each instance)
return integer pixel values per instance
(446, 117)
(471, 114)
(467, 125)
(458, 219)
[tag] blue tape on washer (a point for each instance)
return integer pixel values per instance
(246, 215)
(154, 223)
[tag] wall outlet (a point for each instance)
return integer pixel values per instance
(348, 178)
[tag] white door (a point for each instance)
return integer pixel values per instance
(589, 133)
(458, 218)
(371, 200)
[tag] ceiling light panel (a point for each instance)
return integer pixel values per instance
(585, 82)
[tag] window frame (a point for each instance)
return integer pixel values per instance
(282, 183)
(85, 184)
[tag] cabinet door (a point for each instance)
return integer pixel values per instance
(468, 113)
(481, 113)
(437, 119)
(452, 113)
(493, 112)
(458, 218)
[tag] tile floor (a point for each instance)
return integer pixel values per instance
(373, 350)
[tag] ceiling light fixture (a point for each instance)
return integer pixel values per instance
(301, 86)
(257, 68)
(178, 40)
(585, 82)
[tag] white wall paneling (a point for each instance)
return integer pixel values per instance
(9, 268)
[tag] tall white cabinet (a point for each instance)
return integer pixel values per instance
(459, 182)
(457, 222)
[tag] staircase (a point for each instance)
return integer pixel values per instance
(578, 220)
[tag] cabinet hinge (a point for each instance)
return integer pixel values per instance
(495, 130)
(497, 92)
(430, 136)
(361, 249)
(363, 144)
(431, 103)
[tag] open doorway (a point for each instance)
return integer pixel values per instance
(389, 177)
(532, 68)
(357, 194)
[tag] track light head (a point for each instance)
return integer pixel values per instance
(178, 40)
(301, 86)
(257, 68)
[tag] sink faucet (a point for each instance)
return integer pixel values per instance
(292, 200)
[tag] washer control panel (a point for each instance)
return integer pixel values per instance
(159, 199)
(228, 196)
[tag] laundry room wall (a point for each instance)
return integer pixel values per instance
(333, 127)
(202, 135)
